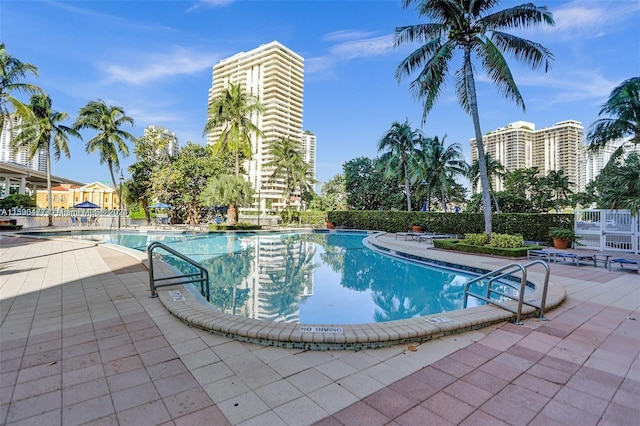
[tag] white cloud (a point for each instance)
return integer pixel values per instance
(589, 19)
(151, 67)
(202, 4)
(352, 44)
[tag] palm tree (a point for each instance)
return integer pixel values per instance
(12, 72)
(494, 169)
(558, 184)
(232, 111)
(227, 190)
(624, 107)
(400, 141)
(111, 139)
(622, 181)
(290, 167)
(436, 167)
(467, 25)
(44, 132)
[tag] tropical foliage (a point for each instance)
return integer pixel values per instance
(228, 190)
(232, 111)
(367, 188)
(435, 167)
(111, 140)
(472, 27)
(399, 144)
(43, 130)
(12, 73)
(289, 167)
(495, 170)
(623, 107)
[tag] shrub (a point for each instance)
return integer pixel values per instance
(475, 239)
(506, 241)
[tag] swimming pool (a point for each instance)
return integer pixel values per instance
(309, 277)
(191, 308)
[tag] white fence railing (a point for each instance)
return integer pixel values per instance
(611, 230)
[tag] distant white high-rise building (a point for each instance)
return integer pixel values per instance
(519, 145)
(10, 130)
(275, 75)
(169, 139)
(593, 162)
(309, 148)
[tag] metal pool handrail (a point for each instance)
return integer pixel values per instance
(504, 272)
(202, 276)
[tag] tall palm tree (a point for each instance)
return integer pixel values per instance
(559, 185)
(232, 111)
(400, 142)
(44, 132)
(12, 72)
(438, 166)
(494, 169)
(468, 25)
(111, 139)
(289, 166)
(623, 106)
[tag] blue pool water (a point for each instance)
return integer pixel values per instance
(310, 278)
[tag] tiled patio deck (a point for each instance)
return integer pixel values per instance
(81, 343)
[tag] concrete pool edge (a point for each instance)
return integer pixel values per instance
(197, 313)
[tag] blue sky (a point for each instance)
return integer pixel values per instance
(155, 59)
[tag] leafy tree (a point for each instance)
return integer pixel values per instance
(399, 142)
(228, 190)
(232, 111)
(468, 25)
(151, 156)
(494, 169)
(367, 187)
(436, 167)
(111, 139)
(12, 72)
(44, 131)
(19, 201)
(334, 195)
(289, 167)
(183, 182)
(623, 106)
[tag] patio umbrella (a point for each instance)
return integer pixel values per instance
(86, 205)
(160, 206)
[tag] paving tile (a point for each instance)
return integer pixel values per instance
(278, 393)
(453, 367)
(435, 378)
(419, 416)
(166, 369)
(448, 407)
(485, 381)
(34, 406)
(206, 417)
(269, 418)
(480, 418)
(389, 402)
(361, 414)
(566, 414)
(622, 414)
(134, 396)
(176, 383)
(414, 389)
(158, 356)
(152, 413)
(538, 385)
(333, 398)
(468, 393)
(87, 411)
(226, 388)
(34, 388)
(549, 374)
(309, 380)
(243, 407)
(187, 402)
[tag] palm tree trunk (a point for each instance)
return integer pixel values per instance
(49, 195)
(407, 188)
(482, 161)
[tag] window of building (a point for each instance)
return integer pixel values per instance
(63, 198)
(55, 198)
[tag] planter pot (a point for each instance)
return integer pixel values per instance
(416, 228)
(560, 243)
(330, 225)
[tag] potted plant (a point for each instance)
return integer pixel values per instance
(329, 224)
(562, 237)
(417, 228)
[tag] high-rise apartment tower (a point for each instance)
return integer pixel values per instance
(519, 145)
(275, 75)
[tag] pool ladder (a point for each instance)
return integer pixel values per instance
(202, 276)
(503, 273)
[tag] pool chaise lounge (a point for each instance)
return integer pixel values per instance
(552, 255)
(622, 261)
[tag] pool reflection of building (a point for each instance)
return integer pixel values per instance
(275, 294)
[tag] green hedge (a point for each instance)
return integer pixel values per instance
(459, 245)
(532, 226)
